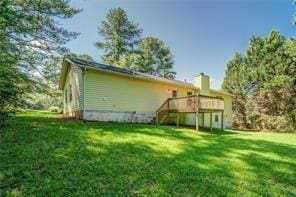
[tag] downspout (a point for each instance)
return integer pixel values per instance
(83, 94)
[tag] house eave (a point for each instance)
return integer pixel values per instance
(220, 92)
(151, 78)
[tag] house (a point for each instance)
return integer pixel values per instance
(97, 92)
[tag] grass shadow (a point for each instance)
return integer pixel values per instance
(71, 158)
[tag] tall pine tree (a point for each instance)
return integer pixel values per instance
(120, 36)
(123, 47)
(29, 34)
(155, 58)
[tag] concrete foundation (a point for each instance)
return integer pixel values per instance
(133, 117)
(74, 114)
(122, 117)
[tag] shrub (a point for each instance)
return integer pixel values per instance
(54, 109)
(276, 124)
(265, 122)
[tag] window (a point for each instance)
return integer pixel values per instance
(70, 92)
(174, 93)
(66, 95)
(216, 118)
(189, 100)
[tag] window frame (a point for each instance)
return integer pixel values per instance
(189, 93)
(174, 93)
(216, 118)
(189, 99)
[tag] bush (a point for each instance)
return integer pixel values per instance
(275, 123)
(265, 122)
(3, 117)
(54, 109)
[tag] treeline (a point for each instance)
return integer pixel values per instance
(30, 37)
(124, 47)
(49, 96)
(263, 84)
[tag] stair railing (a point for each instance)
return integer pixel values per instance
(163, 108)
(176, 105)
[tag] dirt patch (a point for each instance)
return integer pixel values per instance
(35, 124)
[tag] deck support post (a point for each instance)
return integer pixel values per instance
(196, 120)
(222, 121)
(157, 121)
(211, 114)
(203, 119)
(177, 119)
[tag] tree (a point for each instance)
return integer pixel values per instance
(123, 47)
(234, 83)
(11, 88)
(33, 28)
(51, 72)
(50, 95)
(30, 34)
(270, 74)
(120, 34)
(155, 58)
(81, 56)
(267, 82)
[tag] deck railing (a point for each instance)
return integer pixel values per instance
(192, 103)
(210, 103)
(183, 104)
(189, 104)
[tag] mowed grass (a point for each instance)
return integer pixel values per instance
(42, 155)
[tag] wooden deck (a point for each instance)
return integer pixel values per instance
(191, 104)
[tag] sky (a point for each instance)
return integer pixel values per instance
(202, 34)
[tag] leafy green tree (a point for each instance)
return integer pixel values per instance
(51, 72)
(120, 36)
(29, 34)
(33, 28)
(81, 56)
(290, 54)
(130, 61)
(11, 87)
(270, 75)
(234, 83)
(266, 82)
(123, 47)
(155, 58)
(48, 95)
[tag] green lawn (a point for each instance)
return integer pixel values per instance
(42, 154)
